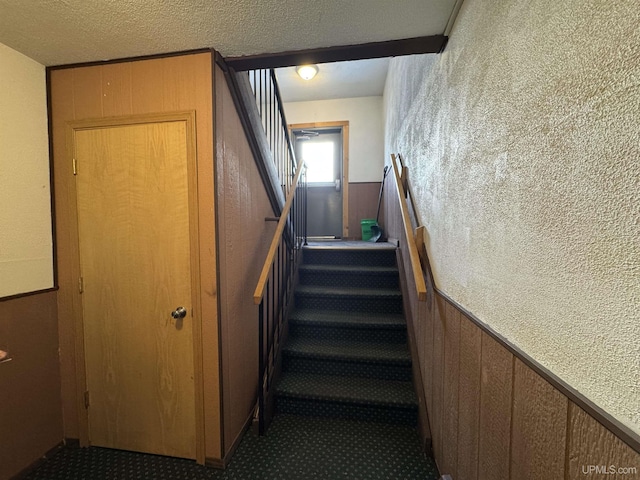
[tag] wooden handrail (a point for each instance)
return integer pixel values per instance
(262, 281)
(414, 258)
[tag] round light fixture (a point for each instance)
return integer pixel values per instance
(307, 72)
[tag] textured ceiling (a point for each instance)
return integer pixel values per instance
(56, 32)
(361, 78)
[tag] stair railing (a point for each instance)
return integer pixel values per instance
(257, 99)
(269, 102)
(412, 241)
(273, 293)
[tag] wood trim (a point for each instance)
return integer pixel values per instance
(344, 124)
(105, 122)
(52, 188)
(214, 463)
(131, 59)
(389, 48)
(78, 313)
(345, 181)
(275, 242)
(414, 258)
(189, 118)
(28, 294)
(221, 464)
(216, 61)
(196, 298)
(36, 463)
(297, 126)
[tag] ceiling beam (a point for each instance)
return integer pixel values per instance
(391, 48)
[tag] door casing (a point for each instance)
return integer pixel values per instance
(189, 118)
(344, 125)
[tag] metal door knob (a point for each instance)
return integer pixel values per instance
(179, 312)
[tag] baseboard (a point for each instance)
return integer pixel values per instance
(214, 463)
(221, 464)
(72, 442)
(36, 463)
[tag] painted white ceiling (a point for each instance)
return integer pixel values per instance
(56, 32)
(360, 78)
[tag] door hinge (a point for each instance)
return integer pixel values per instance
(80, 285)
(86, 399)
(75, 166)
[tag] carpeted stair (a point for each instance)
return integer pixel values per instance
(347, 355)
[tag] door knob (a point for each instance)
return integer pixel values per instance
(179, 312)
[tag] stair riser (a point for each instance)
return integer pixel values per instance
(350, 303)
(367, 334)
(386, 414)
(355, 279)
(381, 257)
(381, 371)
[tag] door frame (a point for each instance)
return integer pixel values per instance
(344, 126)
(189, 117)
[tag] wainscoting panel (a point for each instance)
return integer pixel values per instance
(494, 413)
(495, 410)
(450, 389)
(539, 426)
(363, 203)
(30, 410)
(469, 399)
(592, 446)
(438, 380)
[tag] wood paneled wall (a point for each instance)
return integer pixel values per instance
(363, 203)
(244, 238)
(30, 411)
(179, 83)
(490, 415)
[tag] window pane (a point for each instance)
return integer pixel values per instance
(319, 159)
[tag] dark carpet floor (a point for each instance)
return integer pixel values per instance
(346, 360)
(295, 448)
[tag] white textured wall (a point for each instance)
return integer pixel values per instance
(366, 130)
(523, 142)
(26, 262)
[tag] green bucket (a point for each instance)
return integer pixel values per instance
(366, 224)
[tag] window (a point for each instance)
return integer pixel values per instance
(319, 157)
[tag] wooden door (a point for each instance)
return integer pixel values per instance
(135, 235)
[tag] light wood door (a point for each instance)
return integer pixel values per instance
(134, 235)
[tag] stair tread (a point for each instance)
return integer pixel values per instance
(345, 269)
(365, 391)
(348, 291)
(342, 245)
(349, 350)
(340, 318)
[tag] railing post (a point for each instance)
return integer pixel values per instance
(304, 210)
(261, 368)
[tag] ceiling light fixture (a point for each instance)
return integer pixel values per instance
(307, 72)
